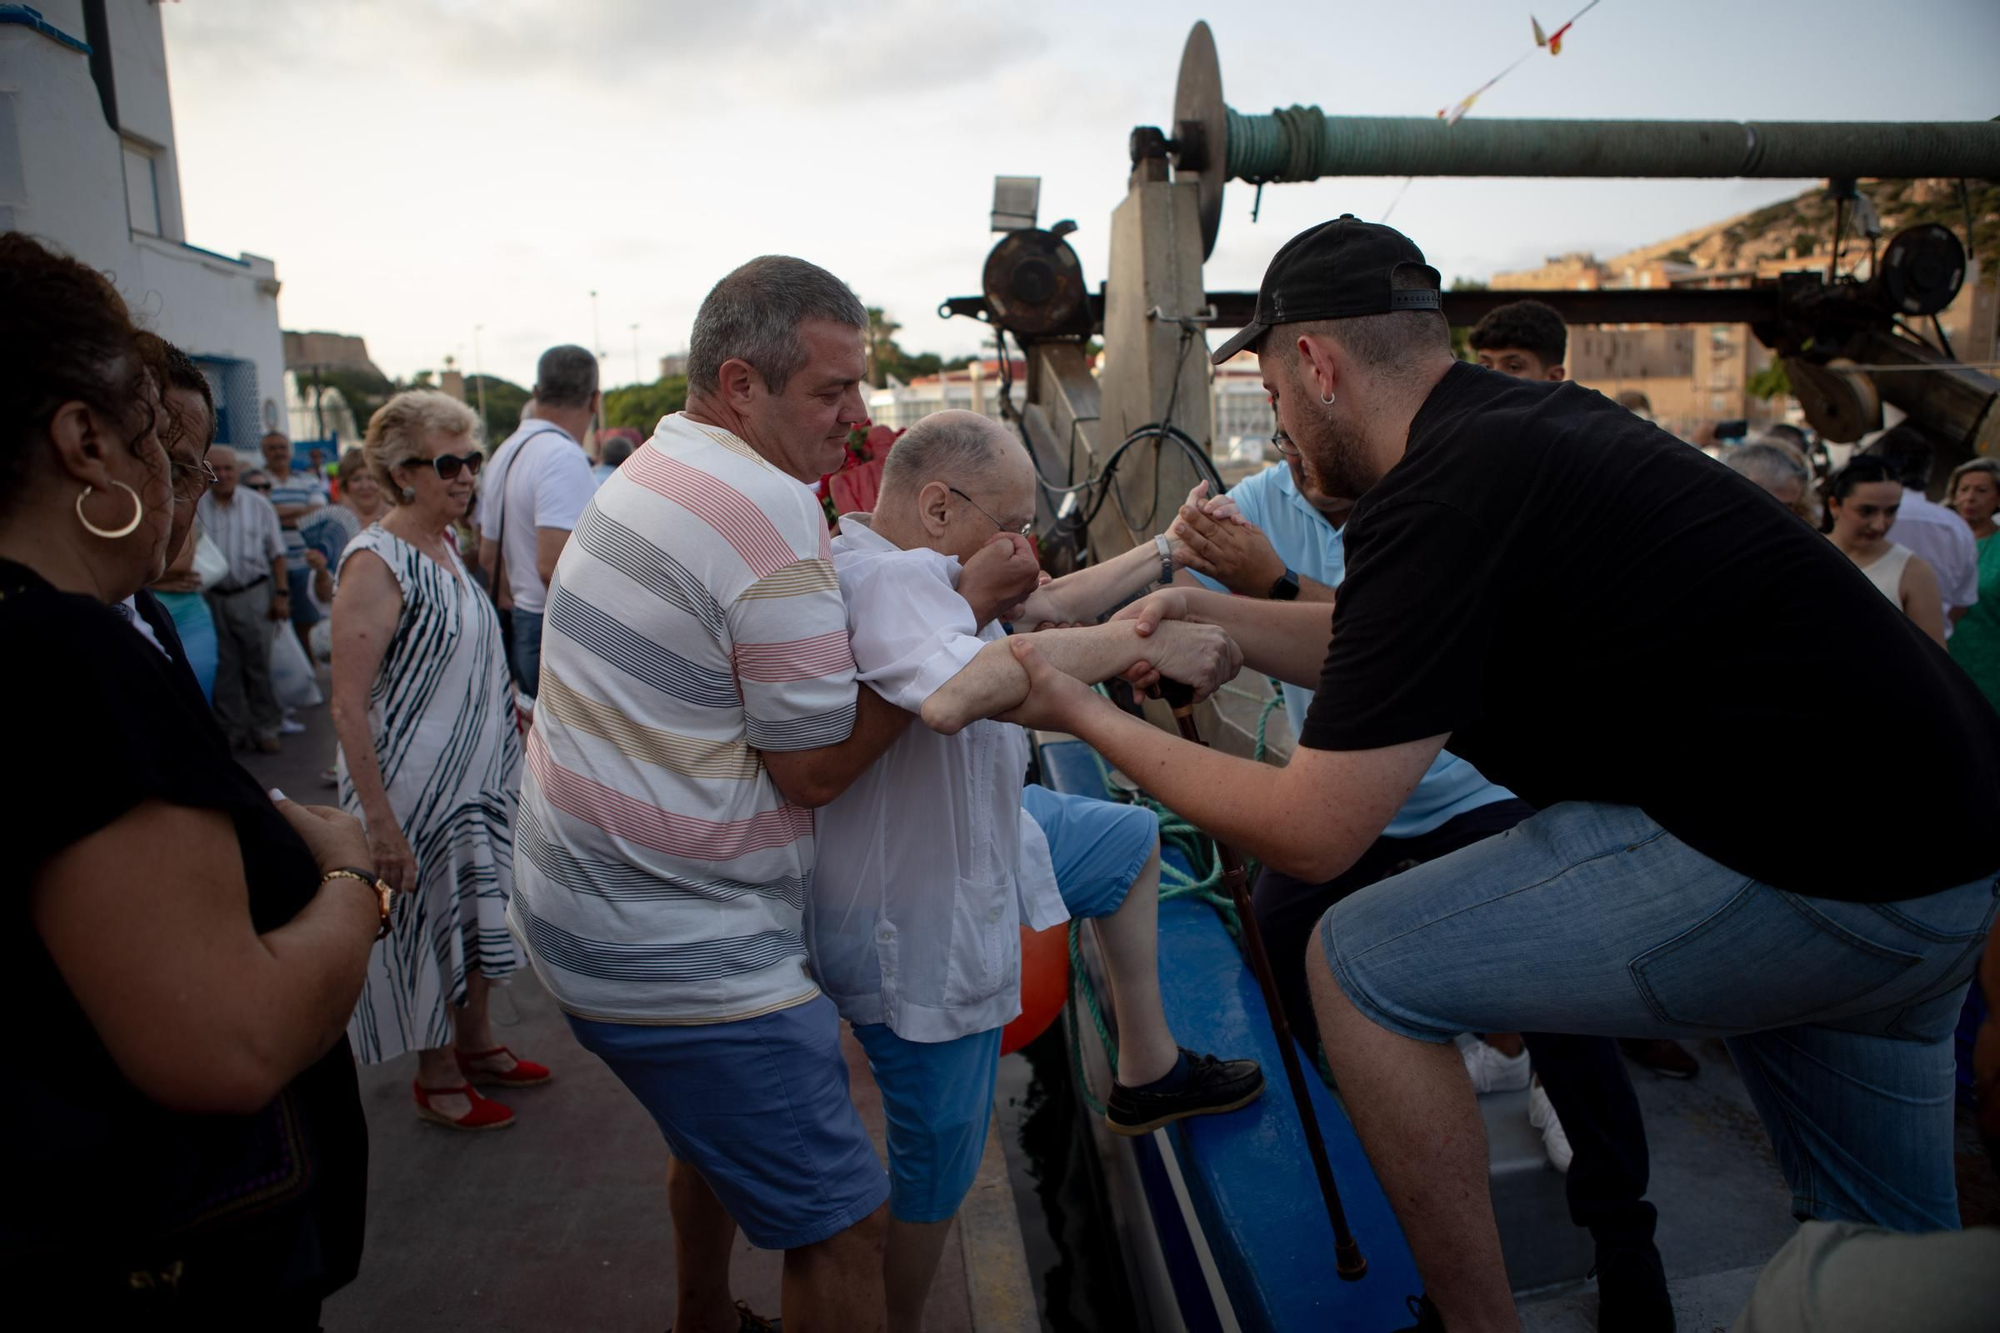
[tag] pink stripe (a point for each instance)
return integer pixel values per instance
(731, 513)
(800, 659)
(677, 835)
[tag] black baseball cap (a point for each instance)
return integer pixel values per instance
(1337, 270)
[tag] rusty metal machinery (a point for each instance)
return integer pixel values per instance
(1846, 345)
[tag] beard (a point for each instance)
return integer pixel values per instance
(1333, 454)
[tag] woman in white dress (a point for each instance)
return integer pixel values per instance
(1861, 504)
(430, 759)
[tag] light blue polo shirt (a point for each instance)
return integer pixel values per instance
(1311, 546)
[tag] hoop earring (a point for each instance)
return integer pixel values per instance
(1326, 400)
(111, 534)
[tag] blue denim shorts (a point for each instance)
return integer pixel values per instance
(1592, 919)
(760, 1107)
(937, 1097)
(1099, 847)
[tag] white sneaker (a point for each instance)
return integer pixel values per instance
(291, 726)
(1542, 1116)
(1493, 1072)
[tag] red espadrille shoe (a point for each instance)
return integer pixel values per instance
(521, 1075)
(483, 1114)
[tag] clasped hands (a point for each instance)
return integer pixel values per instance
(998, 579)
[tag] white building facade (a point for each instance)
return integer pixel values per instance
(88, 163)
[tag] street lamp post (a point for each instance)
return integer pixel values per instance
(597, 349)
(479, 377)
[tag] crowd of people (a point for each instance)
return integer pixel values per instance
(725, 780)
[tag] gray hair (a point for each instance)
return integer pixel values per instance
(396, 432)
(1769, 463)
(948, 446)
(566, 376)
(754, 315)
(1990, 466)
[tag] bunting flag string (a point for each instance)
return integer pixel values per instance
(1451, 115)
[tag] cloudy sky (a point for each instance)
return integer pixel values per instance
(422, 167)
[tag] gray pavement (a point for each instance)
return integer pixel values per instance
(560, 1222)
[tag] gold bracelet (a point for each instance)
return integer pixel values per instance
(385, 896)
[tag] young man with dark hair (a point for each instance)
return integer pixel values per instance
(1525, 339)
(1533, 576)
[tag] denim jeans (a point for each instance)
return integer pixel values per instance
(1592, 919)
(1585, 1077)
(524, 650)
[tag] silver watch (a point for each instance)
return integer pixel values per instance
(1166, 550)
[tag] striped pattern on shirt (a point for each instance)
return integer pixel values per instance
(245, 528)
(301, 488)
(694, 620)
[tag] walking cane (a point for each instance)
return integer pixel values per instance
(1348, 1260)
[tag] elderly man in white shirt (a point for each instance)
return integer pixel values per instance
(249, 601)
(926, 868)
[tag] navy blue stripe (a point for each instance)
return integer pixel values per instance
(637, 656)
(650, 567)
(800, 733)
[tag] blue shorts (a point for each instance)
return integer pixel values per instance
(937, 1097)
(1595, 920)
(760, 1107)
(1099, 847)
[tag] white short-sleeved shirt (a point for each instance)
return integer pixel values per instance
(1945, 542)
(927, 867)
(694, 620)
(544, 482)
(245, 529)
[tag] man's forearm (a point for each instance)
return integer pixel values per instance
(1283, 639)
(993, 682)
(813, 777)
(278, 571)
(1096, 589)
(1233, 799)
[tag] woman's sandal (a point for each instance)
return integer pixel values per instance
(482, 1114)
(524, 1072)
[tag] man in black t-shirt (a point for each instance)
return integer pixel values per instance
(1553, 585)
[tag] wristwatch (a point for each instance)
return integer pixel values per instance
(1286, 589)
(385, 897)
(1166, 550)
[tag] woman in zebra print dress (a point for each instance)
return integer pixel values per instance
(430, 759)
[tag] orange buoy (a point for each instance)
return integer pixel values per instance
(1044, 985)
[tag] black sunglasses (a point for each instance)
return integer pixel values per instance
(447, 465)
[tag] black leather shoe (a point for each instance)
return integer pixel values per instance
(1212, 1087)
(1632, 1291)
(1428, 1318)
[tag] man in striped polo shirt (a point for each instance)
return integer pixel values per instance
(697, 700)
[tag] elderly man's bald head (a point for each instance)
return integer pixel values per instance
(954, 481)
(957, 448)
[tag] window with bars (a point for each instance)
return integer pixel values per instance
(238, 421)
